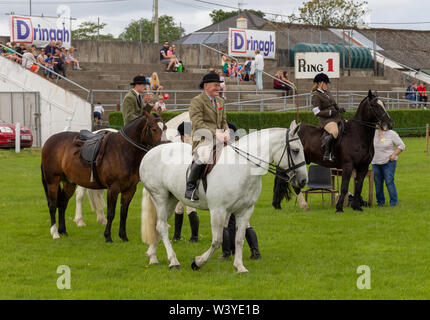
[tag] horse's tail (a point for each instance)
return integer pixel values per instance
(45, 185)
(149, 219)
(97, 202)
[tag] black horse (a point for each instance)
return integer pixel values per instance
(354, 149)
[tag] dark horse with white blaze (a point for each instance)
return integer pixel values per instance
(354, 149)
(118, 170)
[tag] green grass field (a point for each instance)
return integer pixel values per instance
(305, 255)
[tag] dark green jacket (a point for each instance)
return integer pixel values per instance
(204, 115)
(131, 108)
(328, 109)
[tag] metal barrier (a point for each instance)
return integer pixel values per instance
(236, 102)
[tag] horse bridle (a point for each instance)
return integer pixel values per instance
(142, 147)
(378, 119)
(287, 174)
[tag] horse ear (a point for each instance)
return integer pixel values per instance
(370, 95)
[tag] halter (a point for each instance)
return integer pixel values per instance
(144, 148)
(290, 172)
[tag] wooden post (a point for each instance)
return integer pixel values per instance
(427, 138)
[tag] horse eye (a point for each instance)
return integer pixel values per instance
(296, 151)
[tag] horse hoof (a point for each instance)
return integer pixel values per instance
(64, 233)
(109, 240)
(80, 223)
(339, 211)
(357, 209)
(194, 266)
(177, 267)
(124, 239)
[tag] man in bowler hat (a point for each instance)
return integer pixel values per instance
(207, 115)
(133, 105)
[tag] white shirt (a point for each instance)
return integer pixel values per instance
(259, 62)
(160, 105)
(28, 60)
(99, 108)
(385, 145)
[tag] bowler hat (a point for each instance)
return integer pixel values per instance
(139, 80)
(321, 77)
(210, 77)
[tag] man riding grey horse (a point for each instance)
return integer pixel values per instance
(208, 119)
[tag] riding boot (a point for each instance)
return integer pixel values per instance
(195, 173)
(327, 142)
(226, 252)
(194, 224)
(251, 238)
(179, 218)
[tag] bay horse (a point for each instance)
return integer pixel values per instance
(354, 150)
(118, 171)
(233, 187)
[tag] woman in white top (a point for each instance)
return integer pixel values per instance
(259, 67)
(388, 146)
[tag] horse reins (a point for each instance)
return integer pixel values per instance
(139, 146)
(272, 168)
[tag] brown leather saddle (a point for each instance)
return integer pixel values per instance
(92, 149)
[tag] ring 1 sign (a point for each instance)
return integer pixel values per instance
(309, 64)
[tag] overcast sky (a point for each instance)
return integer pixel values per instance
(194, 15)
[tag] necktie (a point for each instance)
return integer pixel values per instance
(140, 99)
(214, 103)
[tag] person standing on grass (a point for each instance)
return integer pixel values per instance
(259, 67)
(388, 145)
(180, 208)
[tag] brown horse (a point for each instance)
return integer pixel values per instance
(354, 150)
(118, 170)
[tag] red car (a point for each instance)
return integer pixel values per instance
(7, 136)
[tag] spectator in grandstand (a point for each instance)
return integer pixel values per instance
(159, 106)
(29, 61)
(285, 79)
(388, 146)
(59, 63)
(226, 67)
(98, 112)
(34, 51)
(411, 92)
(49, 64)
(50, 48)
(259, 67)
(247, 68)
(41, 57)
(283, 76)
(72, 59)
(223, 86)
(422, 91)
(59, 44)
(148, 100)
(164, 59)
(154, 83)
(8, 52)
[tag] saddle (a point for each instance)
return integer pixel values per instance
(92, 149)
